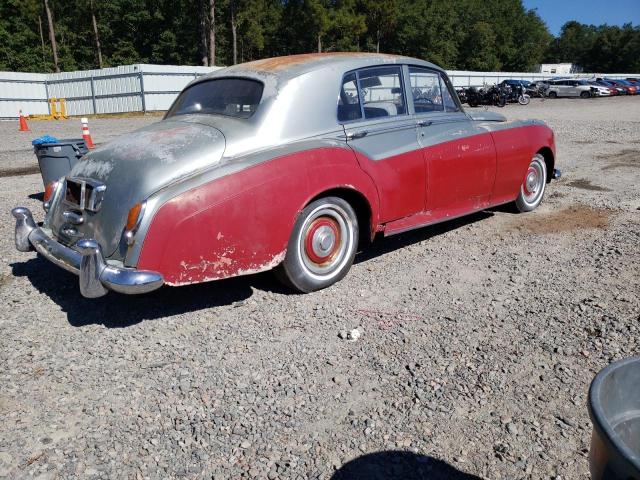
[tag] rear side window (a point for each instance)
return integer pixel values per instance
(349, 100)
(382, 92)
(233, 97)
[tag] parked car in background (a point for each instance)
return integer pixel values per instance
(618, 90)
(600, 90)
(568, 88)
(626, 86)
(248, 172)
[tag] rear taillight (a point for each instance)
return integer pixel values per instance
(49, 191)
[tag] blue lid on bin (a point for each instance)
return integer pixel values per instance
(44, 139)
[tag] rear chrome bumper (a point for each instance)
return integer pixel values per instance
(96, 276)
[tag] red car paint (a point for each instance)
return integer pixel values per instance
(241, 223)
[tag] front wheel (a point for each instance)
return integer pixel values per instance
(533, 186)
(524, 99)
(322, 245)
(585, 95)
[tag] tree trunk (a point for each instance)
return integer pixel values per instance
(44, 60)
(378, 41)
(319, 43)
(212, 32)
(52, 36)
(95, 33)
(234, 34)
(203, 34)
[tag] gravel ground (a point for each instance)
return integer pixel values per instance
(479, 339)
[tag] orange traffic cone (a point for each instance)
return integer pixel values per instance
(23, 123)
(85, 133)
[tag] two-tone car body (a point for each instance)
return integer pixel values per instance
(287, 162)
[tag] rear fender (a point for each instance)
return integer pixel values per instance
(241, 223)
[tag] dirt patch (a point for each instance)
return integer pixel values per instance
(570, 219)
(626, 158)
(17, 172)
(585, 184)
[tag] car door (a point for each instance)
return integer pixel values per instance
(459, 154)
(373, 110)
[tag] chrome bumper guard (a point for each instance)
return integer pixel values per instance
(96, 276)
(556, 173)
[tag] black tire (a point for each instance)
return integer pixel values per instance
(473, 102)
(524, 99)
(533, 185)
(322, 246)
(501, 101)
(585, 95)
(553, 95)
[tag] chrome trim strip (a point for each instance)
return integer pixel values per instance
(96, 277)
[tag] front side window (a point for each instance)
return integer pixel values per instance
(382, 92)
(425, 87)
(233, 97)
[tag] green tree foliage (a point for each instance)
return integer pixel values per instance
(465, 34)
(598, 49)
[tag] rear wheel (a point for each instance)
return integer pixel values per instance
(533, 186)
(322, 245)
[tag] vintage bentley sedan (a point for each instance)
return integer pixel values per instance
(289, 163)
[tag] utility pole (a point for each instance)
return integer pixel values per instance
(52, 36)
(212, 32)
(95, 32)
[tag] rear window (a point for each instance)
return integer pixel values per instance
(233, 97)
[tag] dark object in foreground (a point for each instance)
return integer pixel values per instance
(57, 159)
(614, 407)
(399, 465)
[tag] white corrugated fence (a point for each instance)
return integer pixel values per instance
(129, 88)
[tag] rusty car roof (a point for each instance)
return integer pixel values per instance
(291, 66)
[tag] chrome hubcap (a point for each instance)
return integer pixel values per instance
(323, 241)
(533, 184)
(326, 241)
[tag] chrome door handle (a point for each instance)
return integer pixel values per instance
(354, 135)
(425, 123)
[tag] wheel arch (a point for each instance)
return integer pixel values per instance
(549, 161)
(360, 204)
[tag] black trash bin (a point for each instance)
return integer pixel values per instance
(57, 159)
(614, 407)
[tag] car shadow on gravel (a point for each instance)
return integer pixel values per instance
(399, 465)
(118, 311)
(388, 244)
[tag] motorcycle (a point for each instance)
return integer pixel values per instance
(486, 96)
(517, 94)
